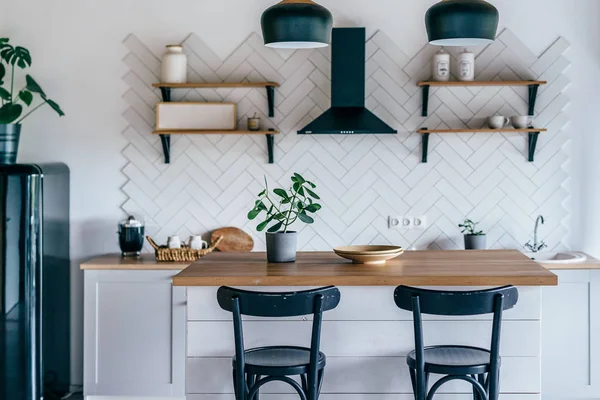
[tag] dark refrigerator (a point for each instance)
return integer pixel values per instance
(34, 282)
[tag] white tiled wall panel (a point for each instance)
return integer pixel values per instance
(213, 179)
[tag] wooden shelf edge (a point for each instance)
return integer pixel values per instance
(214, 85)
(211, 132)
(481, 130)
(481, 83)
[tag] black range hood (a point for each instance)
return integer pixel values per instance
(347, 114)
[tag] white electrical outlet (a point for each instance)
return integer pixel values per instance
(420, 222)
(397, 222)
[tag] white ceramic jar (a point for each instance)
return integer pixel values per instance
(174, 65)
(466, 66)
(197, 243)
(441, 66)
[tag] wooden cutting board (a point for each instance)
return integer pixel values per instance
(234, 240)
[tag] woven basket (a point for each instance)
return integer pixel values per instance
(185, 253)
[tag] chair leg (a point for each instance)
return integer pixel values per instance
(304, 383)
(413, 381)
(235, 386)
(321, 376)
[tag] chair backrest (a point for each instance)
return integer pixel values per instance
(438, 302)
(279, 304)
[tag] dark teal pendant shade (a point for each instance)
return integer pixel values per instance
(461, 23)
(296, 24)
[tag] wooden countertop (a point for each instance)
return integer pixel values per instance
(416, 268)
(145, 262)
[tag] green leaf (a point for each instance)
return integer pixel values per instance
(312, 185)
(33, 86)
(22, 57)
(296, 187)
(3, 42)
(279, 216)
(275, 227)
(2, 72)
(262, 193)
(313, 207)
(305, 218)
(258, 204)
(261, 227)
(299, 178)
(312, 194)
(281, 193)
(7, 53)
(294, 179)
(55, 107)
(4, 94)
(252, 214)
(26, 96)
(10, 112)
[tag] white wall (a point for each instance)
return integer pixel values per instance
(77, 57)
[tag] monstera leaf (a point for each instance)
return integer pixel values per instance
(16, 55)
(10, 112)
(26, 96)
(2, 73)
(55, 107)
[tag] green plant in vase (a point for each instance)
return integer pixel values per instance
(474, 239)
(17, 104)
(283, 208)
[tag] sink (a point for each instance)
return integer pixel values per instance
(557, 258)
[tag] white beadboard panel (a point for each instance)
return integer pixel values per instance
(363, 338)
(363, 375)
(345, 396)
(347, 216)
(358, 303)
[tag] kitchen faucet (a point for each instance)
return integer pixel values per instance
(535, 247)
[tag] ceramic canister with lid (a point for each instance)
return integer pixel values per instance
(131, 236)
(441, 66)
(466, 66)
(174, 65)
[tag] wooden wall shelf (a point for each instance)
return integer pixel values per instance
(211, 132)
(481, 83)
(533, 87)
(480, 130)
(166, 89)
(200, 85)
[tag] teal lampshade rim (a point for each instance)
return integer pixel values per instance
(296, 25)
(461, 23)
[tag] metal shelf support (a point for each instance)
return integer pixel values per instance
(425, 145)
(425, 106)
(532, 141)
(270, 145)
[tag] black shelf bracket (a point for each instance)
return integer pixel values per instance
(424, 145)
(532, 141)
(425, 106)
(165, 140)
(533, 90)
(270, 145)
(166, 146)
(271, 100)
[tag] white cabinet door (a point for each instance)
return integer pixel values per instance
(134, 334)
(571, 336)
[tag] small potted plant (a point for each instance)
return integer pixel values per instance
(282, 209)
(474, 240)
(13, 102)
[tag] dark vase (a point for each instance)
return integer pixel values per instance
(475, 242)
(281, 247)
(9, 142)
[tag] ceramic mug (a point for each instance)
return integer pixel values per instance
(497, 122)
(174, 242)
(197, 243)
(521, 121)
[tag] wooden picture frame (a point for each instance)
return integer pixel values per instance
(210, 116)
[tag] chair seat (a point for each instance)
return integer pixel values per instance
(279, 360)
(453, 360)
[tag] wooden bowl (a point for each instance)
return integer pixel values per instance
(368, 254)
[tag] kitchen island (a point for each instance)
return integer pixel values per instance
(167, 331)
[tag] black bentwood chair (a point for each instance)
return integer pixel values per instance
(480, 367)
(252, 368)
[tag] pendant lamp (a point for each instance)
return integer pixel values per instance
(461, 23)
(296, 24)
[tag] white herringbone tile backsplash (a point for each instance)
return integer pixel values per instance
(362, 179)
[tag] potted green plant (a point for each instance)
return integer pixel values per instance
(283, 209)
(13, 102)
(474, 240)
